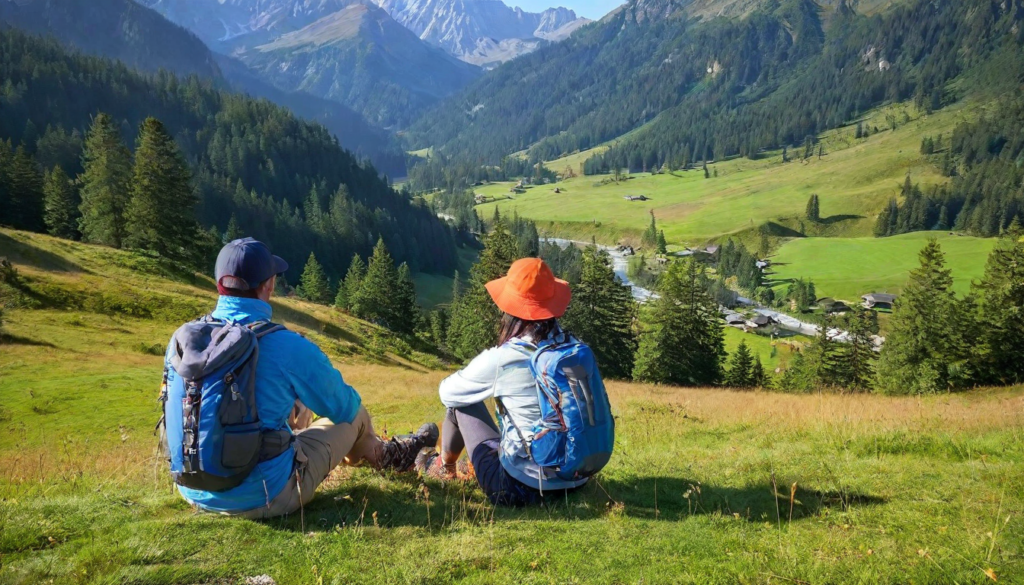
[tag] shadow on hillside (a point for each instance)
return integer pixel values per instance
(6, 339)
(834, 219)
(21, 253)
(402, 503)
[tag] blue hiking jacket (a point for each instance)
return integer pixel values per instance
(290, 368)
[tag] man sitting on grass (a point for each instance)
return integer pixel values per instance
(226, 431)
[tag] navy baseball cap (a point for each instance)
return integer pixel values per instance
(247, 262)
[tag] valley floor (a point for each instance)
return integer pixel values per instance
(706, 486)
(854, 178)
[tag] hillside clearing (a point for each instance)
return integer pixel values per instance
(847, 268)
(854, 179)
(707, 485)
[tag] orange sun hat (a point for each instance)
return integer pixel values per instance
(531, 291)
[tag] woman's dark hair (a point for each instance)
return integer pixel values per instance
(514, 327)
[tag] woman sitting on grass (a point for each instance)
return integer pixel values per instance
(532, 300)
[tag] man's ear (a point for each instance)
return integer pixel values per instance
(267, 288)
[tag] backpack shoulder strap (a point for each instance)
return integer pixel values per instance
(264, 328)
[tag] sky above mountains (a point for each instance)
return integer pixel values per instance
(592, 9)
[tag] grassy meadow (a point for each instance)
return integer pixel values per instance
(854, 179)
(847, 268)
(707, 485)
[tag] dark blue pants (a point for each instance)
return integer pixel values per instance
(472, 428)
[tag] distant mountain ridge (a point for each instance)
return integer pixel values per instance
(363, 58)
(229, 25)
(345, 51)
(483, 32)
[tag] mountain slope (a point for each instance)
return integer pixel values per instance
(718, 87)
(145, 40)
(353, 131)
(361, 57)
(118, 29)
(230, 25)
(483, 32)
(281, 179)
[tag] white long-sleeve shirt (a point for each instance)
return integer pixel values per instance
(504, 373)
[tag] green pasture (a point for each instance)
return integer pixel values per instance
(707, 485)
(773, 352)
(854, 178)
(847, 268)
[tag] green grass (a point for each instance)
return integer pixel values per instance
(434, 290)
(773, 353)
(887, 490)
(847, 268)
(854, 180)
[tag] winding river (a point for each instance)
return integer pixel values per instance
(620, 263)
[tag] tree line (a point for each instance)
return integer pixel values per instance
(379, 291)
(937, 341)
(986, 193)
(255, 168)
(824, 79)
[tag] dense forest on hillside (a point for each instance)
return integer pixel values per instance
(911, 52)
(986, 194)
(118, 29)
(710, 89)
(144, 40)
(254, 164)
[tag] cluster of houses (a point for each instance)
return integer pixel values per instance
(749, 324)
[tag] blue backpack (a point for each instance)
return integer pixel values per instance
(576, 433)
(210, 428)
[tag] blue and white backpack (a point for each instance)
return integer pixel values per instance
(575, 435)
(210, 428)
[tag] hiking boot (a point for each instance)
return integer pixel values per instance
(399, 454)
(430, 465)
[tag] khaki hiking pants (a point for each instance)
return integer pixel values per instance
(318, 450)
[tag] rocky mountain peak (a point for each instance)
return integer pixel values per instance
(483, 32)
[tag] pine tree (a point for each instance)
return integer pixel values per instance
(233, 231)
(348, 290)
(473, 320)
(406, 310)
(383, 298)
(60, 204)
(662, 244)
(105, 179)
(1000, 295)
(814, 209)
(681, 338)
(26, 195)
(741, 368)
(313, 284)
(826, 359)
(649, 239)
(707, 173)
(886, 224)
(602, 313)
(439, 328)
(921, 353)
(161, 214)
(860, 350)
(758, 377)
